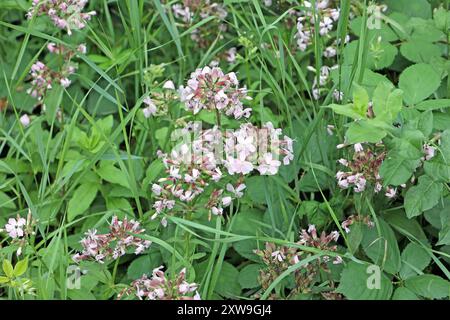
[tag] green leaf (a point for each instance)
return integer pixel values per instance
(422, 197)
(380, 97)
(429, 286)
(360, 99)
(418, 50)
(396, 170)
(228, 285)
(382, 248)
(248, 276)
(8, 268)
(354, 283)
(21, 267)
(82, 198)
(416, 8)
(414, 257)
(364, 131)
(347, 110)
(112, 174)
(4, 279)
(403, 293)
(355, 236)
(6, 201)
(433, 104)
(418, 82)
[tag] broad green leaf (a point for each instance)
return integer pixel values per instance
(360, 99)
(112, 174)
(398, 220)
(21, 267)
(347, 110)
(434, 104)
(81, 200)
(356, 284)
(248, 276)
(382, 249)
(8, 268)
(228, 283)
(414, 257)
(396, 170)
(417, 50)
(380, 97)
(418, 82)
(429, 286)
(424, 196)
(364, 131)
(403, 293)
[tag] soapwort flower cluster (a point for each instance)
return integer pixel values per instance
(213, 159)
(114, 244)
(65, 14)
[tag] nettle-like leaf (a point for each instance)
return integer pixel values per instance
(356, 283)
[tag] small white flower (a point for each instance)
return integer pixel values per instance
(236, 191)
(25, 120)
(358, 147)
(65, 82)
(216, 211)
(14, 227)
(156, 189)
(169, 85)
(343, 162)
(226, 201)
(390, 192)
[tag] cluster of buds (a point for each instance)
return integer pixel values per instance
(278, 259)
(159, 287)
(20, 230)
(43, 77)
(306, 24)
(204, 9)
(359, 218)
(65, 14)
(211, 89)
(157, 103)
(114, 244)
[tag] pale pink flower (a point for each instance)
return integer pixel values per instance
(14, 227)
